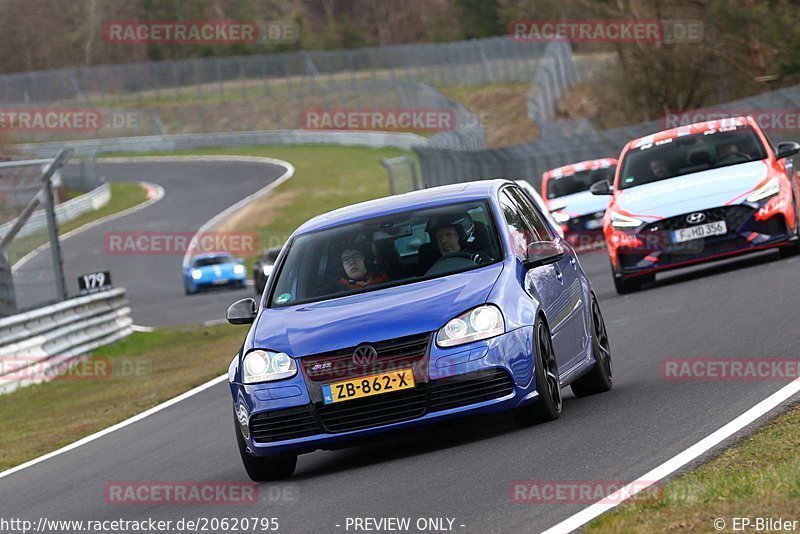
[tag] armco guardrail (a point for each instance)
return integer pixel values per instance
(66, 211)
(35, 341)
(159, 143)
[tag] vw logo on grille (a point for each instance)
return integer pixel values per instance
(365, 355)
(696, 218)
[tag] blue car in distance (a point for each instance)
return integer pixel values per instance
(212, 270)
(408, 310)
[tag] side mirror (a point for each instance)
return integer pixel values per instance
(242, 312)
(789, 148)
(543, 253)
(603, 187)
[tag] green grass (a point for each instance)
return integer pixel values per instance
(123, 196)
(758, 477)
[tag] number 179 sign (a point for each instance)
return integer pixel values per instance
(94, 282)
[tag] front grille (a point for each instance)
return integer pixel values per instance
(578, 224)
(392, 354)
(734, 216)
(462, 391)
(290, 423)
(437, 395)
(373, 411)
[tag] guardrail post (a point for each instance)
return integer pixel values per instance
(52, 224)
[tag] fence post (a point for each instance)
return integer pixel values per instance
(52, 224)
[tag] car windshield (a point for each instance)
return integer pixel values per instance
(216, 260)
(687, 154)
(387, 251)
(580, 181)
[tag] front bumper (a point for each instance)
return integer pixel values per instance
(585, 232)
(478, 378)
(651, 248)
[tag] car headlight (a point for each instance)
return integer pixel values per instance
(771, 188)
(238, 269)
(619, 220)
(265, 366)
(478, 323)
(561, 217)
(197, 274)
(267, 269)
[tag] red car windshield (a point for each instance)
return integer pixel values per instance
(689, 154)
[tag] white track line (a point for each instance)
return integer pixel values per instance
(676, 462)
(123, 424)
(154, 194)
(214, 220)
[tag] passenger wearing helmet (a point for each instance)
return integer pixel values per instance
(355, 256)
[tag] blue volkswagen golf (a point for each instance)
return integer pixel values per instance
(408, 310)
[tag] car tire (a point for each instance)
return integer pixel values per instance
(793, 248)
(548, 404)
(599, 379)
(267, 468)
(632, 285)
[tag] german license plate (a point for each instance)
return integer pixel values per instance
(699, 231)
(367, 386)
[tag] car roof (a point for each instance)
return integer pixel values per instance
(423, 198)
(690, 129)
(211, 255)
(572, 168)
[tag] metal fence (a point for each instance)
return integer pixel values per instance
(528, 161)
(474, 62)
(262, 92)
(25, 185)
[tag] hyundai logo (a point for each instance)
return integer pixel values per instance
(364, 355)
(696, 218)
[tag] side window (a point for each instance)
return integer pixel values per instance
(522, 233)
(535, 218)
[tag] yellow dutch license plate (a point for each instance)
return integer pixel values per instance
(367, 386)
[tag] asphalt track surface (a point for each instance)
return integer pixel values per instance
(739, 308)
(194, 193)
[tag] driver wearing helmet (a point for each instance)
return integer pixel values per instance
(451, 233)
(356, 258)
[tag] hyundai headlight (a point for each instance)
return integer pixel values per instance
(266, 366)
(769, 189)
(561, 217)
(619, 220)
(197, 274)
(478, 323)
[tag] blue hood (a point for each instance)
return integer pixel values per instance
(692, 192)
(373, 316)
(583, 203)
